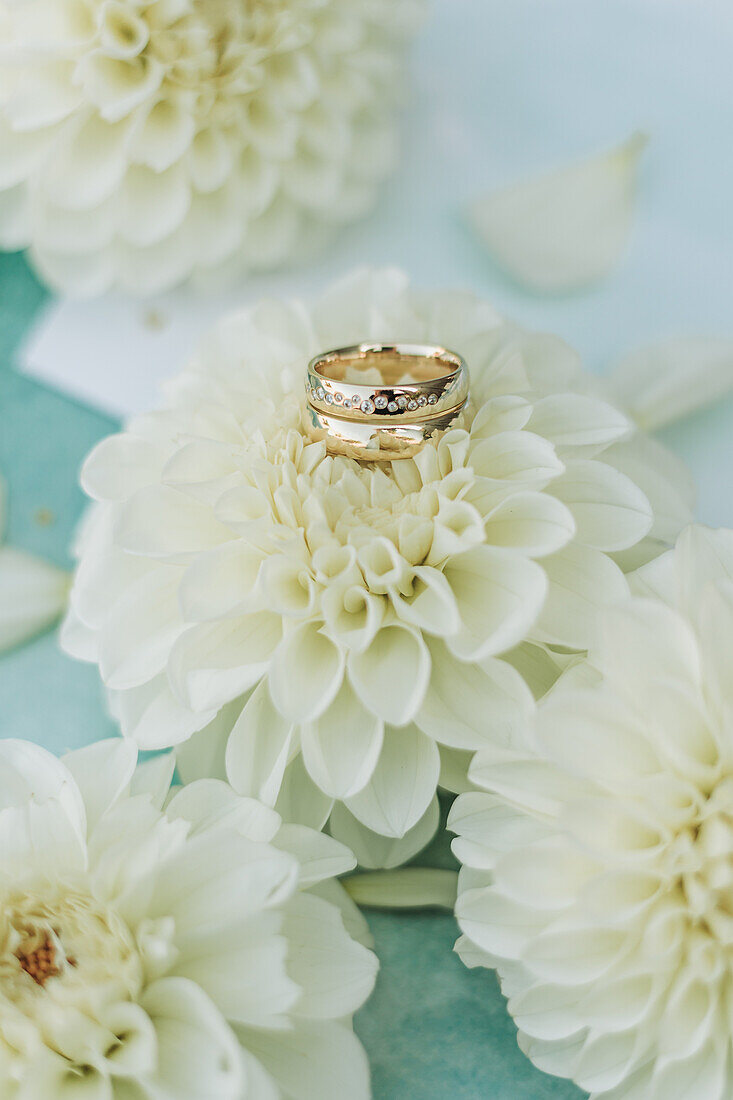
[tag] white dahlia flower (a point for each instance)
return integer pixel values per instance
(598, 863)
(171, 948)
(327, 633)
(143, 142)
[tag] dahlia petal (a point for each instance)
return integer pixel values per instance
(403, 783)
(33, 595)
(431, 605)
(221, 582)
(120, 465)
(300, 801)
(341, 747)
(116, 86)
(198, 1054)
(372, 850)
(306, 673)
(215, 874)
(704, 1074)
(153, 717)
(519, 456)
(581, 581)
(531, 523)
(153, 204)
(319, 857)
(606, 1060)
(392, 675)
(487, 827)
(642, 643)
(567, 228)
(667, 381)
(259, 747)
(89, 167)
(78, 276)
(43, 98)
(335, 974)
(210, 159)
(102, 772)
(212, 804)
(212, 663)
(578, 726)
(317, 1061)
(250, 982)
(496, 924)
(575, 420)
(469, 704)
(164, 136)
(609, 510)
(499, 597)
(142, 626)
(574, 956)
(160, 521)
(23, 154)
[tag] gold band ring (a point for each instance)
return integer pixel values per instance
(414, 391)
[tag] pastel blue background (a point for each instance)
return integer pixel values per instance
(502, 87)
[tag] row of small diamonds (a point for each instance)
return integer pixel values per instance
(381, 403)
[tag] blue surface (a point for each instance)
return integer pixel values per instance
(538, 82)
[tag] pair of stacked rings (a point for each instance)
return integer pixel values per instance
(409, 393)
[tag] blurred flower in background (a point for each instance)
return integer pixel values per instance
(143, 143)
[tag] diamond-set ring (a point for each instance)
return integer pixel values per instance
(378, 402)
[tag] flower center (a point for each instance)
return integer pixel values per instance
(61, 950)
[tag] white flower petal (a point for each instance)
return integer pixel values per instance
(609, 510)
(334, 973)
(212, 663)
(318, 1061)
(392, 675)
(102, 771)
(33, 595)
(582, 581)
(374, 850)
(469, 704)
(341, 747)
(499, 596)
(403, 784)
(565, 229)
(198, 1052)
(319, 856)
(259, 747)
(531, 522)
(305, 674)
(666, 381)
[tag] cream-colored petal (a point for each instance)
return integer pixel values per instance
(499, 595)
(581, 581)
(403, 784)
(306, 673)
(468, 705)
(565, 229)
(259, 748)
(341, 747)
(391, 676)
(212, 663)
(372, 850)
(609, 510)
(33, 595)
(667, 381)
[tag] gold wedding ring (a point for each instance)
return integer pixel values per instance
(407, 394)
